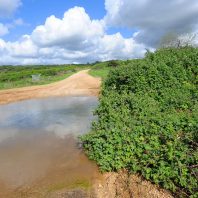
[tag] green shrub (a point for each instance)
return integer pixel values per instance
(113, 63)
(148, 120)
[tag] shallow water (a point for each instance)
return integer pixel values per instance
(38, 146)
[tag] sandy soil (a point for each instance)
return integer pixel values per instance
(124, 185)
(78, 84)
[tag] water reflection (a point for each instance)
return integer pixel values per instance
(38, 144)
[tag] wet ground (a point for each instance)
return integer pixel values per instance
(39, 154)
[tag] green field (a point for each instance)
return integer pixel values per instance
(102, 69)
(21, 76)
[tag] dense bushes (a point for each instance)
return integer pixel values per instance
(148, 120)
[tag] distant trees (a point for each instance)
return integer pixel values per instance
(176, 41)
(113, 63)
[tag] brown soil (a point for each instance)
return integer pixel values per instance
(124, 185)
(116, 185)
(78, 84)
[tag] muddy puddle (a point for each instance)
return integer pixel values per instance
(39, 155)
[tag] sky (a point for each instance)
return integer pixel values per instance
(82, 31)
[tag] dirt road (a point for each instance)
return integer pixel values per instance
(80, 83)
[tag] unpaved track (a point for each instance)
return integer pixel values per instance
(79, 84)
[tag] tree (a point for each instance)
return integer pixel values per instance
(176, 41)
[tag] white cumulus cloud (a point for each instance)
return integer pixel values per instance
(8, 7)
(24, 48)
(117, 47)
(153, 18)
(74, 38)
(3, 30)
(75, 31)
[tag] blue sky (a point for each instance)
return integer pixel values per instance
(35, 12)
(86, 31)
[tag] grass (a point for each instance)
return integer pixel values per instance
(100, 69)
(102, 72)
(28, 81)
(20, 76)
(82, 184)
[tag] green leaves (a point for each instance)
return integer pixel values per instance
(147, 120)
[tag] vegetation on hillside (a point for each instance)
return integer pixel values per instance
(101, 69)
(20, 76)
(148, 120)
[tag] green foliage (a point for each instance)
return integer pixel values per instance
(19, 76)
(101, 69)
(102, 73)
(148, 120)
(113, 63)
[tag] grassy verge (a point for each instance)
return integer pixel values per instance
(21, 76)
(102, 73)
(102, 69)
(28, 82)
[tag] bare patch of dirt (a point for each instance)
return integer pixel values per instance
(78, 84)
(124, 185)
